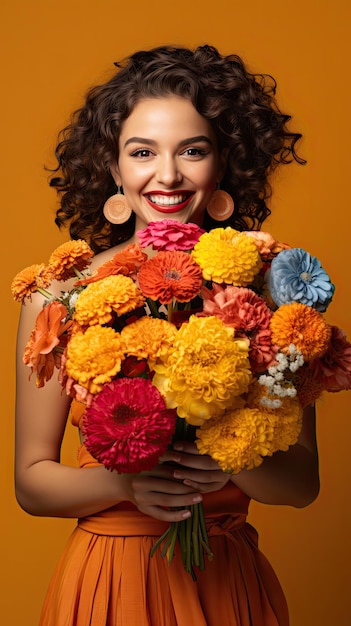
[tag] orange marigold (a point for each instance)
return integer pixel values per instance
(29, 280)
(99, 301)
(170, 274)
(69, 259)
(299, 324)
(148, 338)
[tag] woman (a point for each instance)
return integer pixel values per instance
(169, 128)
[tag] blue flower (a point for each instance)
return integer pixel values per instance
(296, 276)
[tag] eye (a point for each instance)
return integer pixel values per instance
(195, 152)
(141, 153)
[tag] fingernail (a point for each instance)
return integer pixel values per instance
(186, 514)
(197, 498)
(178, 446)
(175, 458)
(177, 475)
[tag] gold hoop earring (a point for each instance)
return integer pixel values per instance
(221, 206)
(116, 208)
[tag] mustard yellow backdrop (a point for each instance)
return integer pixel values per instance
(52, 51)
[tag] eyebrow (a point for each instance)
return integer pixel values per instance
(184, 142)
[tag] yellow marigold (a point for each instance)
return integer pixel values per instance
(287, 418)
(96, 304)
(94, 357)
(288, 423)
(69, 259)
(205, 370)
(242, 437)
(29, 280)
(227, 256)
(238, 439)
(303, 326)
(148, 338)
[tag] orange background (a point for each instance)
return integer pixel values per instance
(52, 51)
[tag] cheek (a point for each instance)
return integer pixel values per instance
(212, 186)
(209, 179)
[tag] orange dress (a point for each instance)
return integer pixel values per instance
(106, 577)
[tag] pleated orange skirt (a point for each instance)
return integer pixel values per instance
(106, 576)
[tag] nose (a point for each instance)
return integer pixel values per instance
(168, 172)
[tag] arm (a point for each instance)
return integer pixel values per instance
(290, 477)
(285, 478)
(46, 487)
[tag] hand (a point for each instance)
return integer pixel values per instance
(198, 471)
(158, 492)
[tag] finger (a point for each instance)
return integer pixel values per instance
(190, 477)
(167, 516)
(160, 488)
(199, 461)
(166, 501)
(186, 446)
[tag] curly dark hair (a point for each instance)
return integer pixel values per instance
(240, 106)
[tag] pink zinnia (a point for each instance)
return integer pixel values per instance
(333, 369)
(128, 427)
(170, 235)
(241, 309)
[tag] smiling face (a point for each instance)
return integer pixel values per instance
(168, 161)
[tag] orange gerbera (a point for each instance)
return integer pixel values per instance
(126, 262)
(70, 259)
(303, 326)
(45, 337)
(170, 274)
(31, 279)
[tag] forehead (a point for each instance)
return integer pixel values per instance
(163, 117)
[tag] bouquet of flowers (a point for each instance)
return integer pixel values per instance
(217, 337)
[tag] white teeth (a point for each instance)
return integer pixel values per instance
(167, 200)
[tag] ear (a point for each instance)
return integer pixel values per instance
(114, 171)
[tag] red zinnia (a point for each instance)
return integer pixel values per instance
(128, 427)
(333, 369)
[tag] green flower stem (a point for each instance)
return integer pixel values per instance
(58, 350)
(160, 540)
(204, 535)
(191, 533)
(188, 552)
(46, 293)
(172, 533)
(182, 540)
(195, 535)
(201, 552)
(172, 544)
(153, 307)
(79, 274)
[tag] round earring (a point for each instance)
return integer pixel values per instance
(221, 206)
(116, 208)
